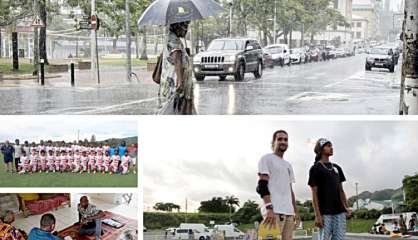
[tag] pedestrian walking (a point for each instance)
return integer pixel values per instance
(328, 196)
(275, 187)
(177, 76)
(8, 152)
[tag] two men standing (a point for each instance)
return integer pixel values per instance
(276, 177)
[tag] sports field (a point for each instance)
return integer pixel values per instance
(65, 179)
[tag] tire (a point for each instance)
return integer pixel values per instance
(368, 68)
(222, 78)
(392, 68)
(202, 238)
(290, 62)
(239, 75)
(281, 62)
(199, 78)
(258, 73)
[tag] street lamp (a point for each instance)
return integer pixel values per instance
(230, 3)
(357, 195)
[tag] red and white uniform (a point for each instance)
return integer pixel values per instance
(107, 161)
(77, 163)
(100, 163)
(57, 162)
(50, 161)
(115, 163)
(64, 162)
(25, 164)
(92, 162)
(34, 162)
(84, 162)
(126, 160)
(42, 160)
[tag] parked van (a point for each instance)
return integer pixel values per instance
(195, 231)
(229, 231)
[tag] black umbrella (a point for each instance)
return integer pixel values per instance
(166, 12)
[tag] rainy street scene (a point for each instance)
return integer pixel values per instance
(220, 57)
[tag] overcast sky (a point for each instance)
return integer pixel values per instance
(35, 128)
(198, 158)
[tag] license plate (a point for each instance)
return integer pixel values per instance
(211, 66)
(379, 64)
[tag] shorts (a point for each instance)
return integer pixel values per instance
(287, 225)
(8, 160)
(334, 227)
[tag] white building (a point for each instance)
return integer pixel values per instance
(360, 27)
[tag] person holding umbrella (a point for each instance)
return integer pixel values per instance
(176, 83)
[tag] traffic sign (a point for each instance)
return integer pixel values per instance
(37, 22)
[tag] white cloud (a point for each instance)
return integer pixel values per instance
(201, 157)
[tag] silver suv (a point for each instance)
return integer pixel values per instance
(229, 56)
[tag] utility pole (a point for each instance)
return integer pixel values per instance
(36, 41)
(274, 22)
(409, 82)
(357, 195)
(94, 73)
(128, 40)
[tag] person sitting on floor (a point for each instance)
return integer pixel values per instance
(90, 218)
(46, 229)
(7, 230)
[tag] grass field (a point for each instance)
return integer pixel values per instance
(25, 67)
(65, 179)
(353, 226)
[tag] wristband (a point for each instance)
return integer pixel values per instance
(269, 206)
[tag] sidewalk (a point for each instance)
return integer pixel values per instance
(109, 76)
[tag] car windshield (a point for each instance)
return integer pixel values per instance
(274, 49)
(217, 45)
(379, 51)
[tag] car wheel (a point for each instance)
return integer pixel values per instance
(222, 78)
(199, 78)
(259, 72)
(368, 68)
(202, 238)
(239, 75)
(289, 63)
(392, 68)
(281, 62)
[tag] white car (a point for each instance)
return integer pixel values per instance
(229, 231)
(280, 54)
(297, 55)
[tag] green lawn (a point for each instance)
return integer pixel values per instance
(6, 66)
(65, 179)
(353, 226)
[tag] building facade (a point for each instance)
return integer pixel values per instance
(360, 27)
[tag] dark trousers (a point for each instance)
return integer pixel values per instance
(17, 161)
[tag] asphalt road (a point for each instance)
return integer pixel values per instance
(340, 86)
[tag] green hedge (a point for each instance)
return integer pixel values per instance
(157, 220)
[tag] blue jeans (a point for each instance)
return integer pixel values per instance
(97, 230)
(334, 227)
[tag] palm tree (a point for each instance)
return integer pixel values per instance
(231, 201)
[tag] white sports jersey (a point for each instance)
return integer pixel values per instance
(50, 159)
(126, 160)
(115, 160)
(41, 147)
(34, 159)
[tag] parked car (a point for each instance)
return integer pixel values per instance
(195, 231)
(330, 52)
(297, 55)
(268, 60)
(340, 52)
(396, 52)
(229, 231)
(314, 54)
(280, 54)
(380, 58)
(229, 56)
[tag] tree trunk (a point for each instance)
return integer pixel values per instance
(42, 37)
(290, 38)
(35, 50)
(15, 51)
(1, 45)
(114, 44)
(137, 45)
(144, 55)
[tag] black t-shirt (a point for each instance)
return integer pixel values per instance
(328, 179)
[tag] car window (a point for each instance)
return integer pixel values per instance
(217, 45)
(274, 49)
(380, 51)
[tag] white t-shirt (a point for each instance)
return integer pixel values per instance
(281, 177)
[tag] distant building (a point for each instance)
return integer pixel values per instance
(360, 27)
(371, 10)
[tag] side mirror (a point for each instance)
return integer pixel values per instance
(249, 48)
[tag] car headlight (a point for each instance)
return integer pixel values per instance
(370, 59)
(197, 59)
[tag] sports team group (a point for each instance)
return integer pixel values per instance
(76, 157)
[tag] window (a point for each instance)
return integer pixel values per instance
(359, 24)
(358, 35)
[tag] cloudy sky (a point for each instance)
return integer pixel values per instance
(35, 128)
(198, 158)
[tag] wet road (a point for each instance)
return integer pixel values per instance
(335, 87)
